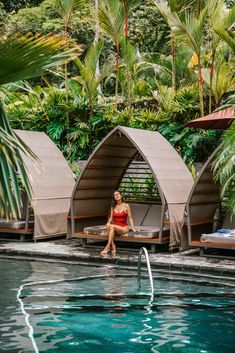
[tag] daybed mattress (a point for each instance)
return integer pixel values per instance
(227, 237)
(14, 224)
(142, 231)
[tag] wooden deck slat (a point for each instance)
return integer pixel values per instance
(100, 177)
(102, 167)
(17, 230)
(118, 146)
(203, 203)
(101, 156)
(211, 245)
(195, 223)
(205, 181)
(93, 198)
(206, 192)
(92, 187)
(88, 216)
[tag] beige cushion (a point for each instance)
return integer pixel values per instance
(142, 231)
(99, 230)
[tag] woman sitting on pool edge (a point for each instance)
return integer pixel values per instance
(117, 223)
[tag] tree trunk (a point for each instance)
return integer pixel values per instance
(96, 39)
(66, 85)
(211, 78)
(127, 57)
(198, 8)
(200, 86)
(173, 62)
(90, 124)
(117, 70)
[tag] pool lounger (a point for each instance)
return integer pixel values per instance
(219, 237)
(14, 224)
(142, 231)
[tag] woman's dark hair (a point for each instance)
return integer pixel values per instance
(114, 202)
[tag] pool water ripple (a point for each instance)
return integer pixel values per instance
(105, 312)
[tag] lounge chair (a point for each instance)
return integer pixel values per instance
(147, 220)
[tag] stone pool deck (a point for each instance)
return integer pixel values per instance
(71, 250)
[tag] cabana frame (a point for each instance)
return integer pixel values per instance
(51, 180)
(203, 203)
(104, 170)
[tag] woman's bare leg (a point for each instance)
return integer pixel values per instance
(113, 248)
(113, 229)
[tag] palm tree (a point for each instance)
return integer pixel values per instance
(139, 65)
(218, 17)
(223, 80)
(190, 31)
(225, 30)
(22, 58)
(66, 9)
(128, 4)
(166, 8)
(112, 19)
(96, 39)
(88, 75)
(224, 168)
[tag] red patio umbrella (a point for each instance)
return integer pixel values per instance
(218, 120)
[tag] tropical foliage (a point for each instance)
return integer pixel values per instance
(21, 58)
(224, 167)
(146, 64)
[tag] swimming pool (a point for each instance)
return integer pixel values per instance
(106, 313)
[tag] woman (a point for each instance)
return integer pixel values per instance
(117, 223)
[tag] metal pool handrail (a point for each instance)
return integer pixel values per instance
(145, 251)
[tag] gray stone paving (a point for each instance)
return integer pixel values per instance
(72, 250)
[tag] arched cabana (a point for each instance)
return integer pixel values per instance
(104, 170)
(203, 211)
(52, 182)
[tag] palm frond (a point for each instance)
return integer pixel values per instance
(88, 77)
(223, 80)
(66, 7)
(224, 168)
(22, 58)
(219, 17)
(190, 29)
(29, 56)
(228, 36)
(12, 170)
(112, 18)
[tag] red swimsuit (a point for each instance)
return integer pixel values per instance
(120, 218)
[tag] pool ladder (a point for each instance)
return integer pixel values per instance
(145, 251)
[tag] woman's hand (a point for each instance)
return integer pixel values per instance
(106, 226)
(134, 230)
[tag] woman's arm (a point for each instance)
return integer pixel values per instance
(130, 217)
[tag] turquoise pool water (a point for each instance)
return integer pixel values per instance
(106, 313)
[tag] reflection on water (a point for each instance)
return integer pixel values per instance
(13, 329)
(104, 314)
(163, 327)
